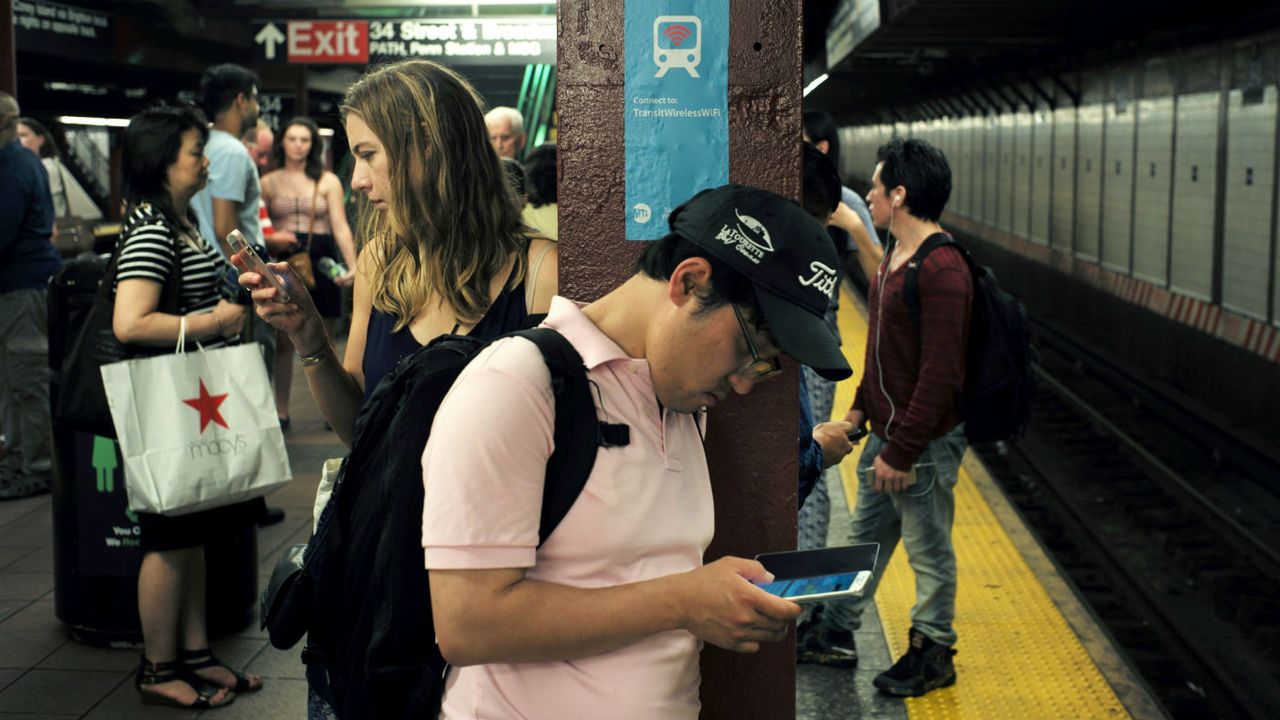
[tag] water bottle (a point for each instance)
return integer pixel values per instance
(331, 268)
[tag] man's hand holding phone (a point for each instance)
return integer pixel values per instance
(834, 439)
(890, 479)
(720, 605)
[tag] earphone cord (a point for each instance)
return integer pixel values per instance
(882, 274)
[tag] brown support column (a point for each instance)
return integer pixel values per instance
(751, 442)
(8, 50)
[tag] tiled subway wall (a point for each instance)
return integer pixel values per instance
(1149, 170)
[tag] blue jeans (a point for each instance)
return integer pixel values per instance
(921, 516)
(816, 511)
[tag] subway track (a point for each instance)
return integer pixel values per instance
(1167, 526)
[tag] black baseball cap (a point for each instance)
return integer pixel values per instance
(786, 255)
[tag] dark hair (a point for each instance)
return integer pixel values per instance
(922, 169)
(50, 147)
(819, 126)
(540, 170)
(150, 145)
(659, 260)
(222, 84)
(515, 173)
(821, 184)
(314, 164)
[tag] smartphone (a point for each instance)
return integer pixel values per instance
(912, 475)
(858, 433)
(238, 244)
(816, 589)
(805, 576)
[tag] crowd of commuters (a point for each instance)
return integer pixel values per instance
(456, 235)
(908, 470)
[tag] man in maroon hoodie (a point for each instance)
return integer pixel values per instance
(907, 473)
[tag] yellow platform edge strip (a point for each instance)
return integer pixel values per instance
(1017, 655)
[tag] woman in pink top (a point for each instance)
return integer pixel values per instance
(304, 202)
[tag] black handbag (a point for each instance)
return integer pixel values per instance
(81, 399)
(286, 603)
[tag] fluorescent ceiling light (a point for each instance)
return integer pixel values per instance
(816, 82)
(102, 122)
(326, 132)
(435, 3)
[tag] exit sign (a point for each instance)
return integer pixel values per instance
(315, 41)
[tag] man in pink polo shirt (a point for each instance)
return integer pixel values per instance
(607, 617)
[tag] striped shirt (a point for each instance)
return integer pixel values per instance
(148, 248)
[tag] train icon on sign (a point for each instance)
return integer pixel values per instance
(677, 43)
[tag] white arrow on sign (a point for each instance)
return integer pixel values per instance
(269, 36)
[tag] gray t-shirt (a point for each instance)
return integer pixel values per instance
(232, 176)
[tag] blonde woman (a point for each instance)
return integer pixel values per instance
(444, 247)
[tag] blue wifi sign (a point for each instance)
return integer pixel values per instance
(677, 114)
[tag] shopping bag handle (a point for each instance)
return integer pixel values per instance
(181, 348)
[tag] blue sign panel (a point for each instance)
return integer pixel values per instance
(677, 95)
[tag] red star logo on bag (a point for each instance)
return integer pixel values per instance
(208, 406)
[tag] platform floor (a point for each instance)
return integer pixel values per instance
(44, 674)
(1027, 647)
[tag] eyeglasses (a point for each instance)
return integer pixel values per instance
(759, 368)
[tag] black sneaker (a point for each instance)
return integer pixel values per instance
(821, 644)
(925, 666)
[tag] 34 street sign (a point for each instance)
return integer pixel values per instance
(457, 42)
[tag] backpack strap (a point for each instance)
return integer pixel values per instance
(578, 432)
(911, 284)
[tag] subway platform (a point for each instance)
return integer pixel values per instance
(1027, 646)
(44, 674)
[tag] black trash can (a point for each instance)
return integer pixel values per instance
(96, 539)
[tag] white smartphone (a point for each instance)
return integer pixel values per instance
(805, 576)
(238, 244)
(823, 587)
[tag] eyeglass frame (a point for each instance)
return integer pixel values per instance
(759, 368)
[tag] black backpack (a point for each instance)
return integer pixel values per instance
(362, 589)
(995, 401)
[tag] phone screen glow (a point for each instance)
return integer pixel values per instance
(799, 587)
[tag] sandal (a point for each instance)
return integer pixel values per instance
(194, 660)
(150, 674)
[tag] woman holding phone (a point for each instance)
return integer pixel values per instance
(163, 166)
(444, 248)
(305, 204)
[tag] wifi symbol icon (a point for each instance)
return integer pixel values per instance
(677, 34)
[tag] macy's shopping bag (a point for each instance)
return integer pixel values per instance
(197, 430)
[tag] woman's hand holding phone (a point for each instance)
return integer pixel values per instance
(291, 313)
